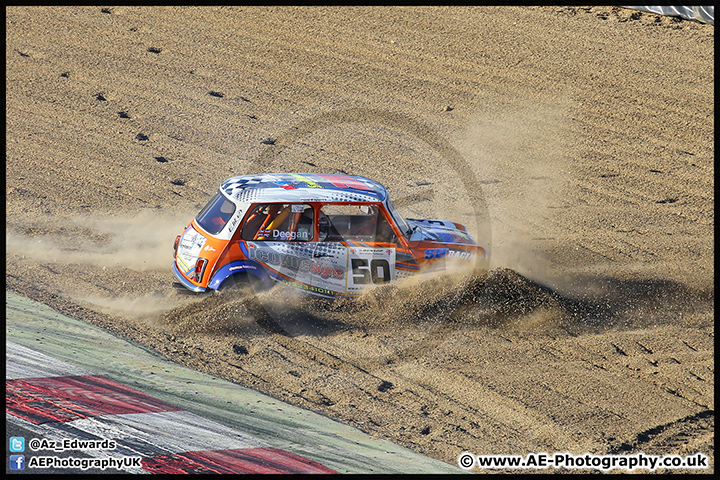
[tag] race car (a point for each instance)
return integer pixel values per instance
(326, 234)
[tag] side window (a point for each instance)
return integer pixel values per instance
(215, 214)
(384, 231)
(365, 223)
(279, 222)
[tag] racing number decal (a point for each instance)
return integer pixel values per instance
(369, 266)
(362, 273)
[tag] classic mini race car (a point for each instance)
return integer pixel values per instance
(327, 234)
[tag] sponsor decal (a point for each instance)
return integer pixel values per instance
(345, 181)
(461, 254)
(278, 259)
(310, 288)
(326, 272)
(234, 222)
(189, 248)
(433, 253)
(288, 264)
(242, 267)
(308, 181)
(285, 184)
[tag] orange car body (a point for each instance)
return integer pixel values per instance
(326, 234)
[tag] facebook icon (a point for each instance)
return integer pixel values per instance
(17, 462)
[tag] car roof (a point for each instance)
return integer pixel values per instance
(298, 187)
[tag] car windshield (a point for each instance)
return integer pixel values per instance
(216, 213)
(399, 220)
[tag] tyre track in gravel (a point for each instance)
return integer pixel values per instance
(364, 383)
(495, 407)
(623, 366)
(687, 436)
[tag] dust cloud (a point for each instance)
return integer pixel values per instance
(522, 157)
(134, 247)
(148, 306)
(519, 158)
(141, 242)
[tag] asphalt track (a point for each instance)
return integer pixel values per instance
(70, 380)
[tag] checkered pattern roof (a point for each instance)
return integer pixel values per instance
(299, 186)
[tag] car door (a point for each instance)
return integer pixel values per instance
(278, 237)
(348, 255)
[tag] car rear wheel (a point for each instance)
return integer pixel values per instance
(241, 283)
